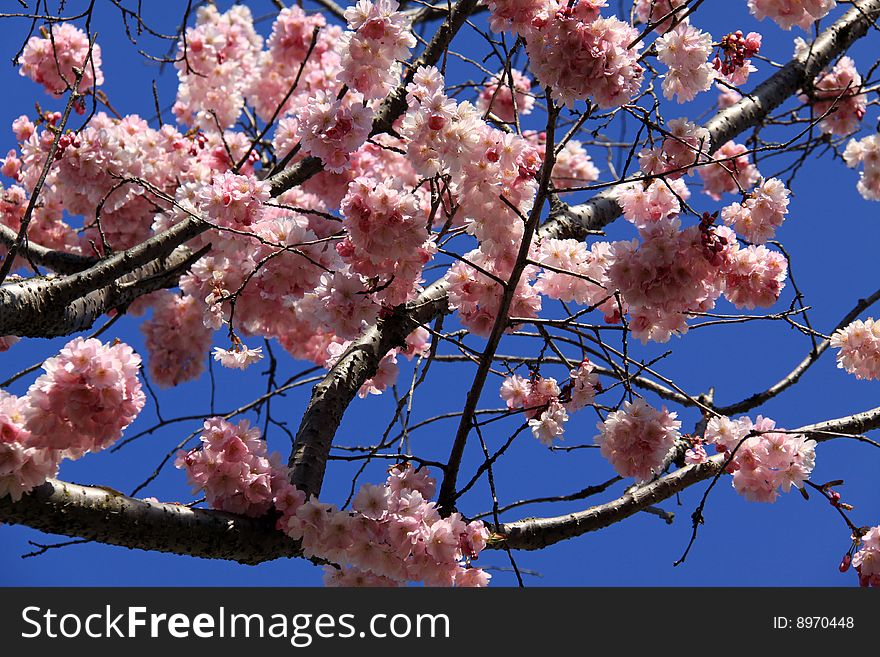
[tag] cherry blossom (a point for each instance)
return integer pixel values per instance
(730, 172)
(762, 212)
(238, 357)
(867, 560)
(496, 96)
(378, 39)
(22, 467)
(764, 461)
(685, 50)
(637, 438)
(867, 153)
(580, 55)
(332, 131)
(838, 98)
(88, 395)
(859, 345)
(787, 13)
(54, 58)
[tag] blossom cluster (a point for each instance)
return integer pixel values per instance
(232, 467)
(578, 54)
(665, 276)
(787, 13)
(387, 236)
(331, 129)
(729, 172)
(54, 58)
(685, 50)
(176, 339)
(507, 97)
(22, 466)
(545, 404)
(637, 438)
(867, 560)
(734, 63)
(764, 461)
(394, 533)
(379, 37)
(572, 272)
(89, 393)
(859, 345)
(762, 212)
(475, 292)
(837, 97)
(867, 153)
(214, 62)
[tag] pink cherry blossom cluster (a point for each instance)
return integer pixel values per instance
(762, 212)
(867, 153)
(518, 15)
(177, 339)
(837, 96)
(578, 55)
(539, 398)
(667, 275)
(685, 50)
(89, 171)
(22, 466)
(649, 201)
(88, 395)
(278, 66)
(234, 201)
(233, 468)
(394, 534)
(545, 404)
(733, 64)
(787, 13)
(754, 276)
(652, 11)
(387, 236)
(867, 560)
(574, 273)
(378, 39)
(477, 296)
(764, 461)
(496, 96)
(684, 145)
(53, 59)
(573, 166)
(637, 438)
(859, 345)
(215, 61)
(730, 171)
(332, 130)
(47, 227)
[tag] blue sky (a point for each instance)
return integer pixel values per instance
(831, 233)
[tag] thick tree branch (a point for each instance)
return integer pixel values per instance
(537, 533)
(103, 515)
(106, 516)
(58, 261)
(49, 307)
